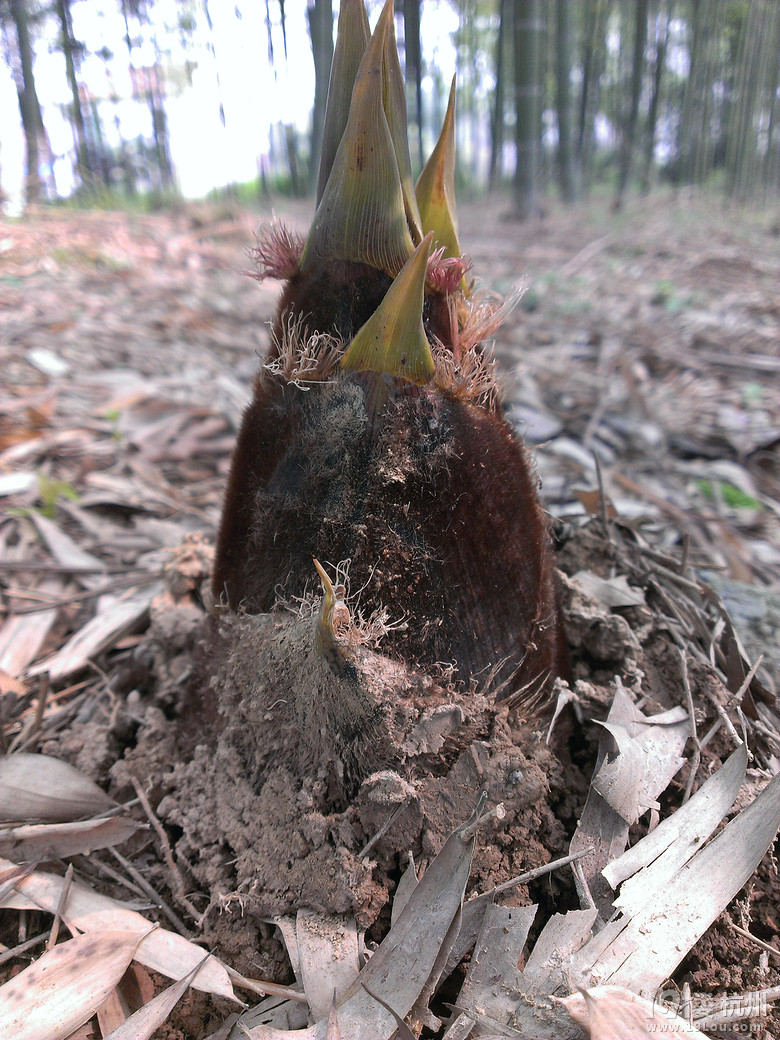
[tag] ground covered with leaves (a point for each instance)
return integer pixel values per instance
(643, 363)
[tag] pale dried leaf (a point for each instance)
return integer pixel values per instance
(262, 1032)
(645, 945)
(67, 552)
(461, 1028)
(16, 483)
(664, 850)
(561, 936)
(22, 636)
(286, 926)
(329, 957)
(100, 633)
(141, 1024)
(62, 840)
(656, 743)
(493, 978)
(273, 1013)
(65, 986)
(170, 954)
(411, 951)
(429, 735)
(612, 592)
(647, 759)
(403, 891)
(614, 1013)
(44, 789)
(10, 685)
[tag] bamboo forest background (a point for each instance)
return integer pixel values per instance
(120, 100)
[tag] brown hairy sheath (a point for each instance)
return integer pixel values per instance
(432, 499)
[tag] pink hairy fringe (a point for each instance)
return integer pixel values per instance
(445, 275)
(277, 253)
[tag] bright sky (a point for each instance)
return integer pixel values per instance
(254, 95)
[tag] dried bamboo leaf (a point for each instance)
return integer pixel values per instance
(680, 835)
(261, 1032)
(61, 840)
(648, 757)
(44, 789)
(411, 951)
(612, 593)
(113, 1012)
(100, 633)
(647, 943)
(272, 1013)
(286, 926)
(141, 1024)
(65, 986)
(561, 936)
(170, 954)
(10, 685)
(67, 552)
(329, 957)
(624, 786)
(493, 978)
(16, 483)
(22, 637)
(403, 891)
(614, 1013)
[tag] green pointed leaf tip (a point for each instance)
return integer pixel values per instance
(436, 186)
(393, 339)
(365, 213)
(352, 39)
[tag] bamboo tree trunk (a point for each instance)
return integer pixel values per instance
(767, 94)
(661, 43)
(413, 70)
(637, 74)
(291, 150)
(213, 53)
(320, 18)
(772, 160)
(29, 106)
(566, 177)
(527, 45)
(497, 110)
(685, 150)
(741, 157)
(704, 145)
(83, 159)
(593, 62)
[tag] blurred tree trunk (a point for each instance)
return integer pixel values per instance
(695, 145)
(320, 17)
(661, 43)
(754, 115)
(413, 69)
(291, 150)
(526, 35)
(29, 106)
(497, 110)
(593, 63)
(628, 138)
(148, 83)
(566, 177)
(70, 49)
(772, 160)
(741, 159)
(213, 53)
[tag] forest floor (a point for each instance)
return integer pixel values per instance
(642, 360)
